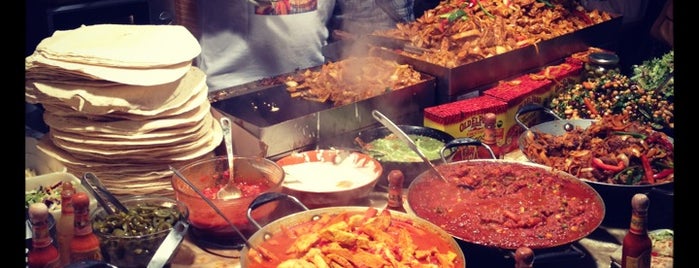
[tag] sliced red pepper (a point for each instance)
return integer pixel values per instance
(590, 106)
(660, 139)
(663, 174)
(598, 163)
(443, 25)
(647, 170)
(582, 15)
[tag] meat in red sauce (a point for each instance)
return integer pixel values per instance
(510, 204)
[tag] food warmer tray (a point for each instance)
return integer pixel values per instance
(466, 79)
(286, 124)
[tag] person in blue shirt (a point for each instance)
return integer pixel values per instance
(362, 17)
(244, 41)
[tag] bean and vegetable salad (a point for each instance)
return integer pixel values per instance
(646, 96)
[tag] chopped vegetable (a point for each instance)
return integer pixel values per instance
(613, 92)
(48, 194)
(133, 237)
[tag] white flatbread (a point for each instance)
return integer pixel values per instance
(123, 75)
(122, 45)
(196, 132)
(81, 155)
(131, 128)
(200, 92)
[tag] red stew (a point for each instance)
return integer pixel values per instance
(509, 205)
(204, 217)
(356, 239)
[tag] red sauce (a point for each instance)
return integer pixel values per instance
(391, 238)
(510, 205)
(204, 218)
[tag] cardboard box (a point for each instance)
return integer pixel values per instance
(538, 87)
(464, 118)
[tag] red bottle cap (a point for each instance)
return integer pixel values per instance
(80, 200)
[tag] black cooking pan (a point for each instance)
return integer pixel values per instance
(616, 196)
(410, 169)
(505, 204)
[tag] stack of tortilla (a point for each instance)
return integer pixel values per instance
(123, 102)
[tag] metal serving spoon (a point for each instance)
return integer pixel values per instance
(229, 190)
(405, 138)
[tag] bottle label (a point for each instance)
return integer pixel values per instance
(41, 234)
(81, 222)
(395, 199)
(641, 261)
(638, 224)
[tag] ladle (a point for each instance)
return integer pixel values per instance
(405, 138)
(211, 204)
(229, 190)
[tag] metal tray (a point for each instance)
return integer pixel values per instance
(457, 81)
(286, 124)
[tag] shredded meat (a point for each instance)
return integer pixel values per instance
(351, 80)
(611, 150)
(458, 32)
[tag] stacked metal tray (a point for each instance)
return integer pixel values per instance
(453, 83)
(287, 124)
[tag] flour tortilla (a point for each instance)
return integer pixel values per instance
(123, 75)
(58, 108)
(127, 127)
(133, 142)
(140, 153)
(74, 154)
(143, 100)
(122, 45)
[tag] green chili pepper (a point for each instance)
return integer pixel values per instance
(454, 15)
(630, 176)
(485, 11)
(546, 2)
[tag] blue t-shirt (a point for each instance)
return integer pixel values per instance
(242, 42)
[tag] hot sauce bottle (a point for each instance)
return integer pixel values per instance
(637, 246)
(85, 245)
(395, 190)
(489, 137)
(43, 253)
(64, 227)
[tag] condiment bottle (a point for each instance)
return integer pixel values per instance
(637, 246)
(85, 245)
(489, 137)
(395, 190)
(64, 227)
(43, 252)
(524, 257)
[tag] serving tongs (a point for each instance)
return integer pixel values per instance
(386, 122)
(103, 196)
(381, 41)
(395, 43)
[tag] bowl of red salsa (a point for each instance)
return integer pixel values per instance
(253, 175)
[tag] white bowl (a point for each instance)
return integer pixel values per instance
(324, 178)
(33, 183)
(38, 161)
